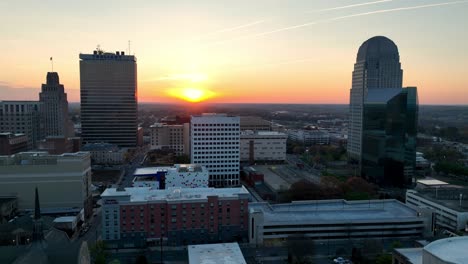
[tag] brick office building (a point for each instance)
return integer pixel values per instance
(136, 217)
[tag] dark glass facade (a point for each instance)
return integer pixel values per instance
(389, 137)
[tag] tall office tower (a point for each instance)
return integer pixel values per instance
(54, 107)
(215, 143)
(22, 117)
(383, 121)
(109, 98)
(377, 66)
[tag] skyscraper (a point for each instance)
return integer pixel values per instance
(383, 116)
(215, 144)
(377, 66)
(54, 107)
(108, 98)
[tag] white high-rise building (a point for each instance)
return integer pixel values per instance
(22, 117)
(215, 144)
(377, 66)
(54, 107)
(108, 98)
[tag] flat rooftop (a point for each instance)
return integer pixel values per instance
(450, 250)
(181, 168)
(432, 182)
(445, 196)
(414, 255)
(142, 194)
(337, 211)
(225, 253)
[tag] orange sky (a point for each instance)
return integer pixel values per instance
(265, 51)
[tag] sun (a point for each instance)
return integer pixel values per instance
(193, 95)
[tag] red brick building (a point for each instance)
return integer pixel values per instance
(136, 217)
(13, 143)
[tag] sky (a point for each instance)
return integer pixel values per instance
(244, 51)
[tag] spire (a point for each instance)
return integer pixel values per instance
(37, 208)
(38, 233)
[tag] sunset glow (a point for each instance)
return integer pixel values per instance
(193, 95)
(263, 51)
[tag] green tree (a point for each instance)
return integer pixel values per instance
(384, 259)
(98, 252)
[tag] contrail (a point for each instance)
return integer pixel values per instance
(236, 27)
(338, 18)
(253, 23)
(350, 6)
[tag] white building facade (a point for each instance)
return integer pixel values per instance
(215, 144)
(263, 146)
(447, 214)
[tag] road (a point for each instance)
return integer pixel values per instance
(130, 168)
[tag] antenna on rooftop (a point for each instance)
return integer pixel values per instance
(129, 42)
(52, 63)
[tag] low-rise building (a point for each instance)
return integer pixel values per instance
(56, 145)
(443, 251)
(137, 217)
(337, 220)
(262, 146)
(310, 136)
(105, 153)
(254, 123)
(222, 253)
(64, 181)
(13, 143)
(449, 204)
(179, 175)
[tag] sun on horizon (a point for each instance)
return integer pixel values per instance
(192, 95)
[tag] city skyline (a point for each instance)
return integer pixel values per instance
(262, 52)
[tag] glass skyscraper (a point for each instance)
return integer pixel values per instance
(383, 116)
(108, 92)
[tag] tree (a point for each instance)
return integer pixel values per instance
(98, 252)
(384, 259)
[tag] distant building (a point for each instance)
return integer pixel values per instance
(57, 145)
(383, 116)
(22, 117)
(13, 143)
(140, 132)
(309, 137)
(443, 251)
(171, 137)
(63, 180)
(262, 146)
(108, 98)
(254, 123)
(55, 108)
(137, 217)
(450, 205)
(105, 153)
(337, 220)
(215, 144)
(179, 176)
(222, 253)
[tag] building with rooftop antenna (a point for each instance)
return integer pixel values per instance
(108, 90)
